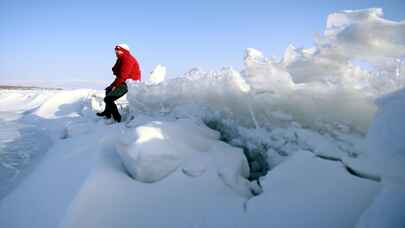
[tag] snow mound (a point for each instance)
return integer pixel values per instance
(155, 150)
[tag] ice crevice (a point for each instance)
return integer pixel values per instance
(352, 170)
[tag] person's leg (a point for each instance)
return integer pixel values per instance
(107, 109)
(111, 107)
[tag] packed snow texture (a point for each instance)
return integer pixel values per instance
(185, 154)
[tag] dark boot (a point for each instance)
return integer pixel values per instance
(115, 113)
(101, 113)
(109, 106)
(105, 114)
(117, 117)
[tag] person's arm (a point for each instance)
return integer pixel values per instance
(114, 68)
(122, 73)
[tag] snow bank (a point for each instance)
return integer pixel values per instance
(306, 191)
(157, 149)
(61, 112)
(23, 100)
(63, 104)
(42, 198)
(385, 159)
(385, 137)
(21, 144)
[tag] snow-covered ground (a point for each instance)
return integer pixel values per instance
(311, 140)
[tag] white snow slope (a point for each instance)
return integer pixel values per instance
(191, 151)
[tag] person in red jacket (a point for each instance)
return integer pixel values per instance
(126, 67)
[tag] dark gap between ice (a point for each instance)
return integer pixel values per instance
(351, 170)
(256, 157)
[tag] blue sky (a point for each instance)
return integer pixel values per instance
(57, 42)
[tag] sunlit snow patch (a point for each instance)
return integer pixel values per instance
(157, 76)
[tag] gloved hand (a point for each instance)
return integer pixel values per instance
(109, 89)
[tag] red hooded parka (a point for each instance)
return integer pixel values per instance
(126, 67)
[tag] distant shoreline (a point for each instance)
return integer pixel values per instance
(13, 87)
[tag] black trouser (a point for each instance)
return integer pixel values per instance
(110, 97)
